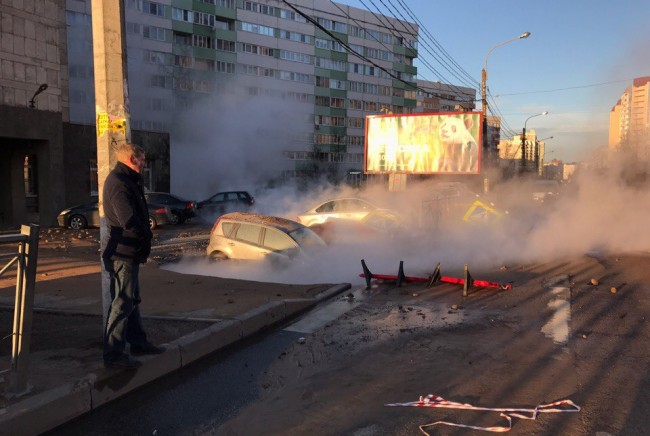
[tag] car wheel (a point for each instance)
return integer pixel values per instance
(176, 218)
(218, 256)
(152, 223)
(78, 222)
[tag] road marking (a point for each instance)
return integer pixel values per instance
(326, 313)
(557, 326)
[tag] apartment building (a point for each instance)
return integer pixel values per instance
(332, 63)
(629, 120)
(186, 56)
(47, 160)
(442, 97)
(510, 154)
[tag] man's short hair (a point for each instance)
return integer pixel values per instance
(125, 150)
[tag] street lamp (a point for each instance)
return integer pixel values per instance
(484, 103)
(32, 102)
(523, 140)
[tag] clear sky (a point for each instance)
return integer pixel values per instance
(579, 59)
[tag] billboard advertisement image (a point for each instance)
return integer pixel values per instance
(440, 143)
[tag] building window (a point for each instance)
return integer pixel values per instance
(182, 38)
(225, 67)
(183, 61)
(92, 176)
(225, 45)
(147, 176)
(153, 8)
(152, 32)
(355, 122)
(204, 64)
(29, 176)
(224, 25)
(355, 104)
(295, 36)
(256, 28)
(291, 15)
(181, 15)
(202, 41)
(370, 106)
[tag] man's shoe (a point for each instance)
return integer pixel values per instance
(124, 362)
(142, 350)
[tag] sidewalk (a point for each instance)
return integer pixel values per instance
(193, 315)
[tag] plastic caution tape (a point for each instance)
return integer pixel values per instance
(430, 400)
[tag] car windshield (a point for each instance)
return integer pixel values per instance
(307, 238)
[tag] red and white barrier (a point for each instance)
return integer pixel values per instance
(563, 406)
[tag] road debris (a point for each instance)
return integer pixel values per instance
(430, 400)
(594, 282)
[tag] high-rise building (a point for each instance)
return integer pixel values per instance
(443, 97)
(629, 120)
(299, 75)
(325, 64)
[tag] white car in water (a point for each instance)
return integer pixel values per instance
(354, 209)
(248, 236)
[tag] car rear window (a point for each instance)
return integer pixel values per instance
(227, 229)
(248, 233)
(218, 197)
(231, 196)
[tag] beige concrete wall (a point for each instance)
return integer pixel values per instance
(33, 52)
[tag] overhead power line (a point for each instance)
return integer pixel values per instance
(565, 89)
(350, 49)
(413, 31)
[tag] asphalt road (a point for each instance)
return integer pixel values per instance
(556, 336)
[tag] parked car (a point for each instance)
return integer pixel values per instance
(225, 202)
(375, 225)
(181, 209)
(241, 235)
(343, 208)
(87, 215)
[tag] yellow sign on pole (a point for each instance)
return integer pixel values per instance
(102, 124)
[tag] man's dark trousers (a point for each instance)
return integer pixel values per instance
(124, 320)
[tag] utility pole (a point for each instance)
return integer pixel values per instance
(484, 109)
(111, 105)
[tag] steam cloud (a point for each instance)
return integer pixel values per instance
(237, 143)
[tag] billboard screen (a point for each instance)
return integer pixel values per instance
(433, 143)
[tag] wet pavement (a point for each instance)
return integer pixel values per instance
(193, 315)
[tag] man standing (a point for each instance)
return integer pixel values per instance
(128, 246)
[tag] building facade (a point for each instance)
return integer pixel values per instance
(319, 68)
(511, 153)
(629, 121)
(46, 160)
(328, 64)
(442, 97)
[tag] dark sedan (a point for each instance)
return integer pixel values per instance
(225, 202)
(181, 209)
(87, 215)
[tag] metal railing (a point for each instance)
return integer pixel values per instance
(26, 260)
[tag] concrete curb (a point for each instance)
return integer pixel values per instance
(49, 409)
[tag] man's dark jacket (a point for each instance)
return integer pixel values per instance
(126, 212)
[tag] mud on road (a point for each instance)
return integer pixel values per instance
(492, 349)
